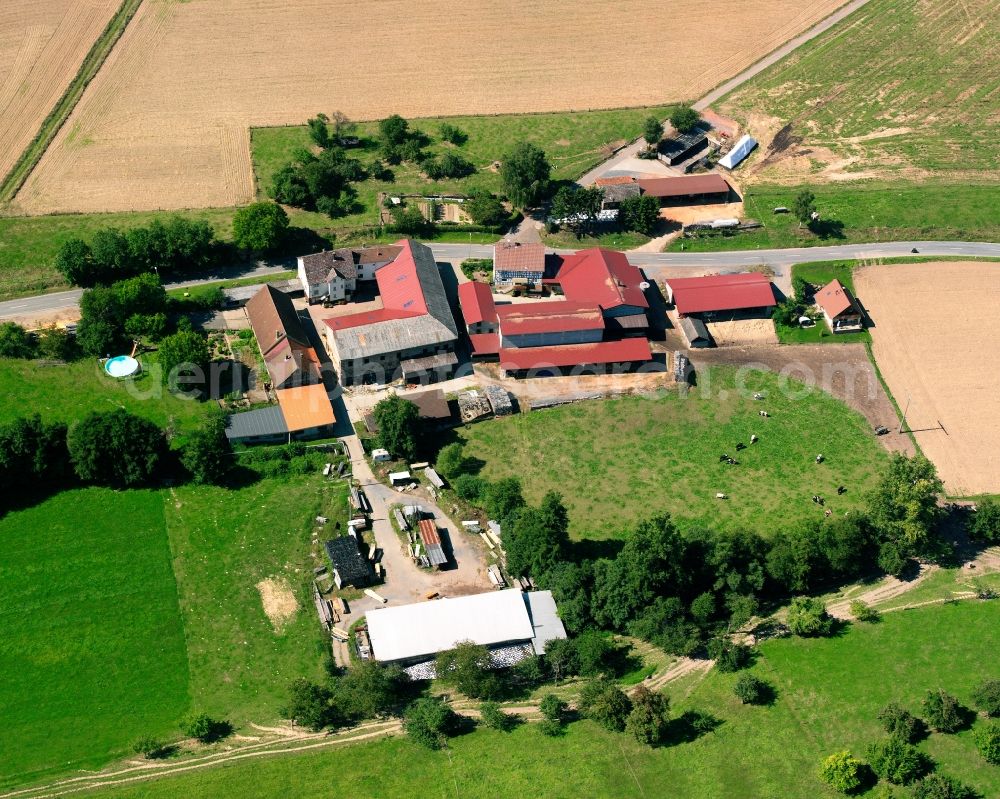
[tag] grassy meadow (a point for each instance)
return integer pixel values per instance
(616, 461)
(828, 693)
(871, 211)
(906, 88)
(93, 651)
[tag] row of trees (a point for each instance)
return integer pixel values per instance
(174, 247)
(897, 760)
(110, 448)
(52, 342)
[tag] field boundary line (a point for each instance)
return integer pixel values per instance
(56, 118)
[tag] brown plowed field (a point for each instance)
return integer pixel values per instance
(165, 123)
(42, 44)
(936, 338)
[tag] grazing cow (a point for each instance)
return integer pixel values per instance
(765, 414)
(723, 457)
(758, 396)
(819, 458)
(841, 490)
(732, 462)
(815, 499)
(740, 446)
(720, 495)
(821, 501)
(753, 439)
(828, 513)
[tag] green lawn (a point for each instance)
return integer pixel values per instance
(922, 70)
(224, 542)
(616, 461)
(69, 391)
(617, 240)
(868, 211)
(92, 652)
(829, 692)
(573, 141)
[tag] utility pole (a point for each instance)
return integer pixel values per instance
(905, 410)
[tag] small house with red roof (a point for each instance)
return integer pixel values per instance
(744, 293)
(517, 263)
(840, 309)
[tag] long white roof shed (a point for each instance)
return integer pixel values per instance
(740, 150)
(421, 630)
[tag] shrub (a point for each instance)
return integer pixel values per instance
(648, 720)
(453, 134)
(494, 718)
(943, 712)
(309, 704)
(751, 690)
(939, 786)
(985, 523)
(728, 655)
(842, 772)
(116, 448)
(470, 487)
(551, 728)
(429, 722)
(988, 742)
(205, 728)
(552, 708)
(15, 341)
(807, 617)
(261, 227)
(148, 746)
(56, 344)
(898, 722)
(986, 697)
(469, 668)
(897, 761)
(864, 612)
(604, 702)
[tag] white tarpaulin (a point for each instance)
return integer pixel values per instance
(740, 150)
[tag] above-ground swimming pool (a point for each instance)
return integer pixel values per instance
(121, 366)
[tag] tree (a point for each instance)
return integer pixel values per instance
(728, 655)
(75, 263)
(594, 653)
(394, 130)
(604, 702)
(184, 353)
(552, 707)
(470, 487)
(988, 742)
(903, 508)
(15, 341)
(539, 538)
(260, 227)
(804, 206)
(399, 426)
(576, 208)
(451, 461)
(684, 119)
(148, 746)
(469, 668)
(369, 690)
(649, 718)
(941, 786)
(429, 722)
(449, 165)
(562, 658)
(986, 697)
(843, 772)
(985, 524)
(55, 343)
(494, 718)
(897, 761)
(342, 125)
(943, 712)
(503, 499)
(641, 213)
(900, 723)
(410, 221)
(142, 294)
(205, 728)
(485, 209)
(808, 618)
(309, 704)
(116, 448)
(318, 130)
(525, 172)
(207, 451)
(751, 690)
(33, 458)
(652, 131)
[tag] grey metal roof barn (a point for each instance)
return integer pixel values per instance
(260, 423)
(695, 332)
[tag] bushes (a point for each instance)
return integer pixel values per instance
(987, 740)
(898, 722)
(469, 668)
(604, 702)
(843, 772)
(649, 718)
(897, 761)
(448, 165)
(33, 457)
(985, 523)
(260, 227)
(864, 612)
(943, 712)
(807, 617)
(15, 341)
(319, 182)
(184, 357)
(553, 710)
(728, 655)
(429, 722)
(206, 455)
(641, 214)
(205, 728)
(986, 697)
(752, 690)
(939, 786)
(494, 718)
(310, 705)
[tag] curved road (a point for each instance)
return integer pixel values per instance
(657, 264)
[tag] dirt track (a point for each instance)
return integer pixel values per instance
(165, 124)
(936, 337)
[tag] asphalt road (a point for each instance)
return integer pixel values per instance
(657, 265)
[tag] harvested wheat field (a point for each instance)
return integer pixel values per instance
(936, 336)
(42, 44)
(165, 124)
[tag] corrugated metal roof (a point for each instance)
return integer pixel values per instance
(477, 303)
(548, 317)
(683, 186)
(423, 629)
(603, 352)
(485, 343)
(305, 407)
(721, 292)
(269, 421)
(544, 618)
(601, 277)
(432, 543)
